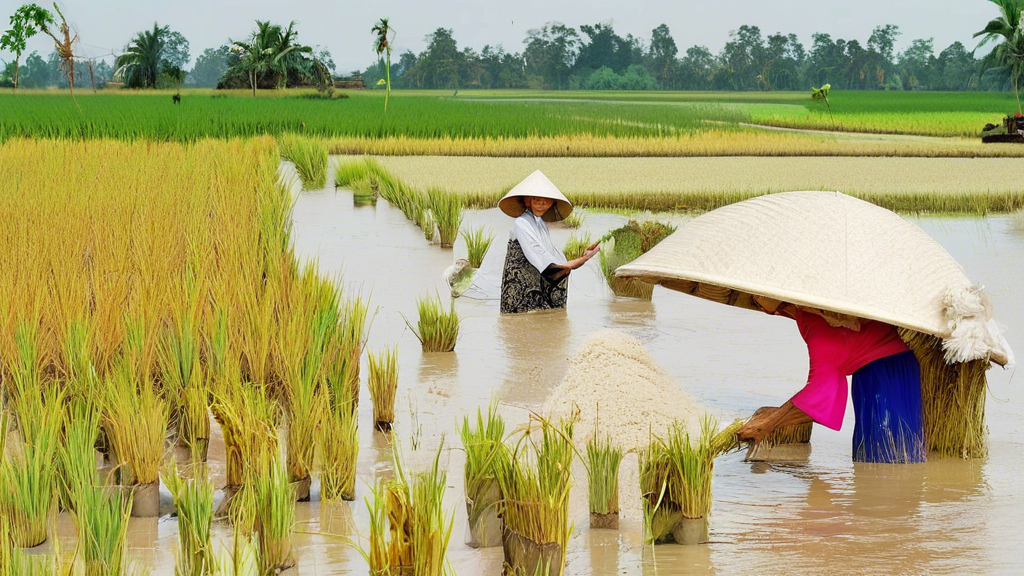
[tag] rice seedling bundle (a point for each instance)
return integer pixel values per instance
(675, 481)
(427, 223)
(274, 517)
(309, 157)
(603, 459)
(77, 452)
(383, 385)
(249, 419)
(193, 501)
(339, 450)
(576, 245)
(952, 399)
(630, 241)
(436, 329)
(485, 454)
(447, 211)
(185, 386)
(29, 471)
(795, 434)
(135, 419)
(101, 518)
(575, 218)
(478, 241)
(535, 483)
(344, 350)
(409, 529)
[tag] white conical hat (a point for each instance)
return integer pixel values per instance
(831, 251)
(536, 184)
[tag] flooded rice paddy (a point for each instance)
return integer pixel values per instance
(821, 514)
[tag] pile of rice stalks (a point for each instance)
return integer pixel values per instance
(629, 242)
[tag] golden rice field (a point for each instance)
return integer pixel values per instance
(712, 142)
(904, 184)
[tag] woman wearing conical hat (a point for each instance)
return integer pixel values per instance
(536, 273)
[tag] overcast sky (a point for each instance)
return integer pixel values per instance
(344, 27)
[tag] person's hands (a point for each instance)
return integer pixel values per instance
(590, 252)
(759, 425)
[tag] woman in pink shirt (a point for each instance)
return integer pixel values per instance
(886, 386)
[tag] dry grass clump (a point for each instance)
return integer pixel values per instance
(675, 477)
(309, 157)
(952, 399)
(478, 242)
(383, 385)
(436, 329)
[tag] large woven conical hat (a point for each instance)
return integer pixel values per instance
(536, 184)
(831, 251)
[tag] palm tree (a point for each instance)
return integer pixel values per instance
(1009, 54)
(139, 66)
(382, 45)
(270, 49)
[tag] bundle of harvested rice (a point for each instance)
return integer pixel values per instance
(615, 376)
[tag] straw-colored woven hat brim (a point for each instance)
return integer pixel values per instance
(831, 251)
(538, 185)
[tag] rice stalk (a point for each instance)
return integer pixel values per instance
(29, 471)
(478, 241)
(309, 157)
(344, 349)
(383, 385)
(274, 517)
(184, 385)
(249, 419)
(135, 420)
(427, 223)
(409, 530)
(952, 399)
(436, 329)
(485, 454)
(339, 451)
(675, 475)
(193, 502)
(447, 212)
(576, 245)
(575, 218)
(77, 453)
(603, 459)
(101, 517)
(795, 434)
(535, 484)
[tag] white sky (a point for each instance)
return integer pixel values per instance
(344, 27)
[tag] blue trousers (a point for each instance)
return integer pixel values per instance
(887, 406)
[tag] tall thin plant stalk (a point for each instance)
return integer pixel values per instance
(383, 385)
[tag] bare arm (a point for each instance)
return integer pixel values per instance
(562, 270)
(766, 420)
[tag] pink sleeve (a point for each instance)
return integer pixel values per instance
(824, 396)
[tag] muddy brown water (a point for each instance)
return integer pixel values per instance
(820, 514)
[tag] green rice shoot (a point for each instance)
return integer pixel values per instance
(478, 241)
(193, 502)
(101, 517)
(576, 245)
(446, 209)
(436, 329)
(486, 453)
(603, 460)
(309, 157)
(383, 385)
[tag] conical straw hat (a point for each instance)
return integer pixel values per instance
(536, 184)
(830, 251)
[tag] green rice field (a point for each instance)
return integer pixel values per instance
(488, 114)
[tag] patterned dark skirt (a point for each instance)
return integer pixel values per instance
(523, 288)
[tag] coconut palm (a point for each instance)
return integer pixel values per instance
(139, 66)
(270, 49)
(1007, 30)
(382, 45)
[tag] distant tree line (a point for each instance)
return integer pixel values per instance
(558, 57)
(554, 57)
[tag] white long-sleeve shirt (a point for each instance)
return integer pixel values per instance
(535, 240)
